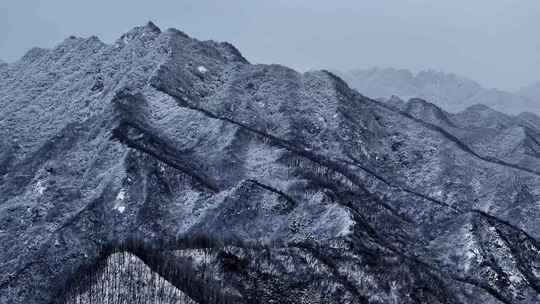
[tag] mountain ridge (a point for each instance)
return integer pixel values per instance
(450, 91)
(160, 135)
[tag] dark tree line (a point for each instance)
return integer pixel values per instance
(135, 271)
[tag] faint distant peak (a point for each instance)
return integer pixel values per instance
(394, 101)
(418, 78)
(433, 73)
(528, 115)
(534, 85)
(478, 108)
(384, 70)
(420, 104)
(375, 71)
(451, 92)
(395, 98)
(479, 115)
(531, 92)
(485, 112)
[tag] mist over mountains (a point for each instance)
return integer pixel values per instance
(449, 91)
(165, 169)
(531, 91)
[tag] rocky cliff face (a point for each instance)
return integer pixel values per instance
(451, 92)
(348, 199)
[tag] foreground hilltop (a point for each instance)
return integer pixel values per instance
(316, 193)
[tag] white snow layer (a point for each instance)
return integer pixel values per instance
(202, 69)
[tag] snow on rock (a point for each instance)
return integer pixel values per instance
(120, 208)
(120, 197)
(202, 69)
(40, 187)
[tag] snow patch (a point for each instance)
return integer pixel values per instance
(120, 208)
(468, 249)
(364, 151)
(121, 195)
(347, 225)
(40, 187)
(202, 69)
(515, 278)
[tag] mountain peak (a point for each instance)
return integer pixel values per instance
(394, 101)
(478, 108)
(152, 26)
(452, 92)
(149, 29)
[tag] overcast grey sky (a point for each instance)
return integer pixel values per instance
(496, 42)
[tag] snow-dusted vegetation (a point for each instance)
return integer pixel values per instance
(123, 278)
(315, 193)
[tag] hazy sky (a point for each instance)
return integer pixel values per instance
(496, 42)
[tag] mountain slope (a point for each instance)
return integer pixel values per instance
(161, 135)
(497, 138)
(116, 279)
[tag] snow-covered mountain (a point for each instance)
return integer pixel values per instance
(451, 92)
(164, 167)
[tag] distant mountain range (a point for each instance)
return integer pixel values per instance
(451, 92)
(531, 91)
